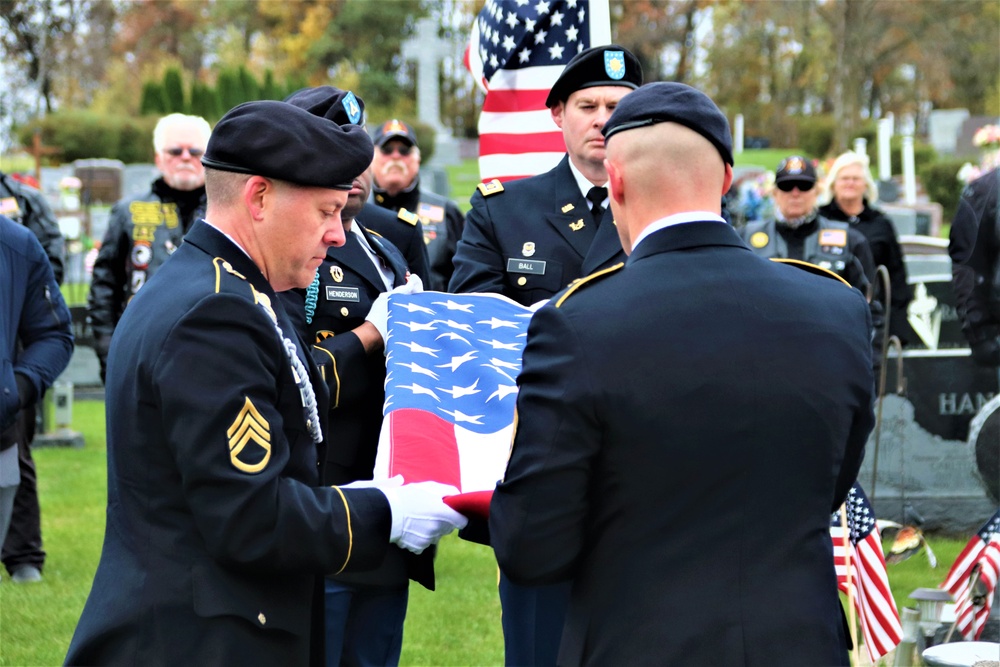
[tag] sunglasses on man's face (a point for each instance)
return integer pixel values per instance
(179, 151)
(801, 186)
(402, 149)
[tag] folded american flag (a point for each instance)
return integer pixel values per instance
(972, 580)
(517, 50)
(862, 547)
(451, 368)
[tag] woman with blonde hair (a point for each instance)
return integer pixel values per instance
(848, 193)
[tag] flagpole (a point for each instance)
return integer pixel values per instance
(851, 617)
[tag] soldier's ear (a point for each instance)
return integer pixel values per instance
(728, 180)
(257, 193)
(616, 185)
(557, 114)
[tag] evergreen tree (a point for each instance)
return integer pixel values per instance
(251, 89)
(153, 102)
(173, 91)
(269, 91)
(204, 102)
(230, 89)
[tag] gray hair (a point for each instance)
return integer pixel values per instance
(173, 120)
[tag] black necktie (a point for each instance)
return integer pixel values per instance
(596, 197)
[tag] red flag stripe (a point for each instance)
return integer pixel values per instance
(423, 448)
(522, 143)
(958, 576)
(515, 100)
(879, 618)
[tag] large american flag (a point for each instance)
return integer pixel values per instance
(972, 580)
(861, 547)
(451, 369)
(517, 50)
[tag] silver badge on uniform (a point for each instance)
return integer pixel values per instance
(337, 273)
(528, 249)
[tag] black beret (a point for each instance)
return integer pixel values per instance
(281, 141)
(610, 65)
(674, 103)
(341, 106)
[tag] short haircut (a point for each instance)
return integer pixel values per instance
(223, 187)
(846, 160)
(173, 120)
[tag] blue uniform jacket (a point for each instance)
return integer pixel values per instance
(34, 313)
(532, 239)
(348, 285)
(685, 427)
(217, 530)
(403, 230)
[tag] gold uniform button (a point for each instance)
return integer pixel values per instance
(344, 311)
(522, 281)
(262, 618)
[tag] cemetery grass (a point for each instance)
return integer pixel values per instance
(459, 624)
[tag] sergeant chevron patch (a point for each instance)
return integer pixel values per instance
(249, 426)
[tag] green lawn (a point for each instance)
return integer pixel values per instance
(459, 624)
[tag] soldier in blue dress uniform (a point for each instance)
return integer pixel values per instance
(364, 611)
(218, 531)
(530, 238)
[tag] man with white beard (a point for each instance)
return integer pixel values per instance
(397, 187)
(143, 231)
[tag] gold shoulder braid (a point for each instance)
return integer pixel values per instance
(299, 372)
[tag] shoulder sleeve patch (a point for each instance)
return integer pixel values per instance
(491, 188)
(408, 217)
(577, 284)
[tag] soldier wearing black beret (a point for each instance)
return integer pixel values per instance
(364, 611)
(527, 239)
(218, 530)
(675, 411)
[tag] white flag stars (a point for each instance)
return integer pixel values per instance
(475, 340)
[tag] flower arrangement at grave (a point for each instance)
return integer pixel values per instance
(987, 140)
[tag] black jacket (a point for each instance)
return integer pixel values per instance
(442, 223)
(142, 233)
(27, 206)
(884, 244)
(974, 248)
(405, 231)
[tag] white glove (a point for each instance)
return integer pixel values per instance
(419, 516)
(378, 315)
(380, 484)
(413, 285)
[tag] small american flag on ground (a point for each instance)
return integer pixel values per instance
(972, 580)
(872, 596)
(517, 50)
(451, 368)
